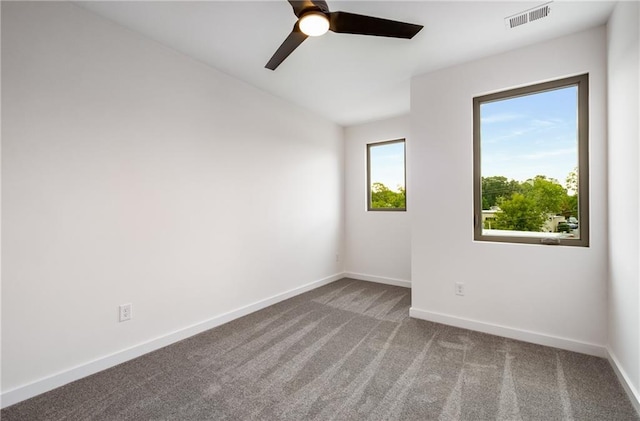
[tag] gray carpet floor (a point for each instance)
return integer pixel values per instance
(346, 351)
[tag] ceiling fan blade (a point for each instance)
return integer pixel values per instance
(292, 42)
(322, 5)
(300, 6)
(349, 23)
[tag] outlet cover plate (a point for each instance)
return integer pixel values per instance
(124, 312)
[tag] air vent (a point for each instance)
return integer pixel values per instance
(528, 16)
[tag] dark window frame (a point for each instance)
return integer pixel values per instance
(386, 142)
(582, 83)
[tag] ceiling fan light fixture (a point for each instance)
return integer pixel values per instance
(314, 24)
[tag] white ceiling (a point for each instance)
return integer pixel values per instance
(348, 79)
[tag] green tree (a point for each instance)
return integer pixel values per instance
(520, 213)
(570, 206)
(572, 181)
(548, 194)
(536, 198)
(497, 188)
(383, 197)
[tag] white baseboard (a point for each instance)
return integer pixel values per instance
(378, 279)
(512, 333)
(37, 387)
(632, 392)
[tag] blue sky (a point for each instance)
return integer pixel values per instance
(387, 164)
(531, 135)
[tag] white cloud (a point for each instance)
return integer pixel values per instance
(547, 154)
(500, 118)
(547, 122)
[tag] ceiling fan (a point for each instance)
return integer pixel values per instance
(315, 19)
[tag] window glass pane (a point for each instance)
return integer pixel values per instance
(387, 176)
(529, 165)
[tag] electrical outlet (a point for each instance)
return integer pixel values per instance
(337, 257)
(125, 312)
(459, 288)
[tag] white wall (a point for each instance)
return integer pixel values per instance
(134, 174)
(378, 244)
(624, 185)
(554, 295)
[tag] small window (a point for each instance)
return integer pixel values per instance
(531, 180)
(386, 176)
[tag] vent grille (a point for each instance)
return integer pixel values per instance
(528, 16)
(518, 20)
(539, 13)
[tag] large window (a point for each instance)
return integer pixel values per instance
(386, 176)
(531, 164)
